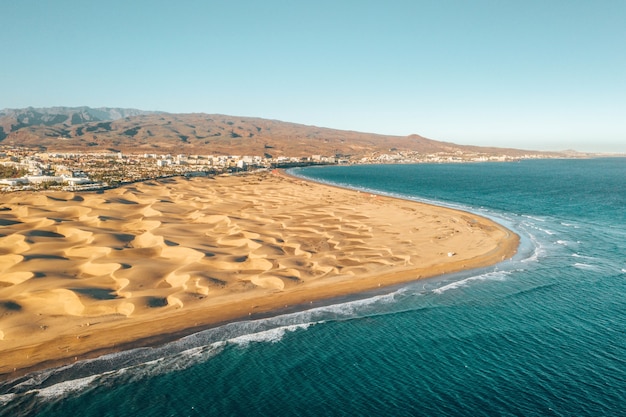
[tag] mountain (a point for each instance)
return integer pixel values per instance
(130, 130)
(13, 120)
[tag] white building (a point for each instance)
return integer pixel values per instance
(164, 162)
(40, 179)
(13, 182)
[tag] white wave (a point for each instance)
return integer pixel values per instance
(534, 257)
(338, 311)
(533, 218)
(562, 242)
(538, 249)
(534, 226)
(489, 276)
(272, 335)
(39, 378)
(578, 255)
(352, 308)
(171, 362)
(624, 270)
(129, 374)
(570, 225)
(6, 398)
(66, 387)
(581, 265)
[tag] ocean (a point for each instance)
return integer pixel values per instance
(542, 334)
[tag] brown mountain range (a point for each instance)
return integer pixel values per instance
(128, 130)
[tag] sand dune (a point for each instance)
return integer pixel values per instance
(83, 273)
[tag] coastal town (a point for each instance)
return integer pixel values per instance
(24, 168)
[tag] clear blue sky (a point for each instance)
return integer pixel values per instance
(548, 74)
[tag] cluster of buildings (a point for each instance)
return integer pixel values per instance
(84, 171)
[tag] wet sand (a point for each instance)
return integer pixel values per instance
(82, 274)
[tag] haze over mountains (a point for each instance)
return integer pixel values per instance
(130, 130)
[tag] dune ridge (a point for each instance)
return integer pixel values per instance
(82, 275)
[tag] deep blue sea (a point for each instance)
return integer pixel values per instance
(543, 334)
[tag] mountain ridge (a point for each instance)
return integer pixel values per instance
(132, 130)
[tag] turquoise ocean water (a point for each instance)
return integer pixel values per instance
(543, 334)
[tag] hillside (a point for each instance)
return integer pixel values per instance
(128, 130)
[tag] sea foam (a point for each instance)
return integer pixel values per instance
(141, 363)
(489, 276)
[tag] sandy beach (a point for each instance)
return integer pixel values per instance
(82, 274)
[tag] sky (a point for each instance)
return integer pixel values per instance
(545, 75)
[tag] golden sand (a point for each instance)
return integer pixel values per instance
(89, 273)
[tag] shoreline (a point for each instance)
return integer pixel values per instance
(269, 289)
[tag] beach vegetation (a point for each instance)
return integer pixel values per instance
(46, 185)
(11, 171)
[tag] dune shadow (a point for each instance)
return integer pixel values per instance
(217, 281)
(155, 302)
(291, 278)
(121, 201)
(55, 198)
(44, 256)
(10, 305)
(107, 218)
(124, 237)
(8, 222)
(96, 293)
(44, 233)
